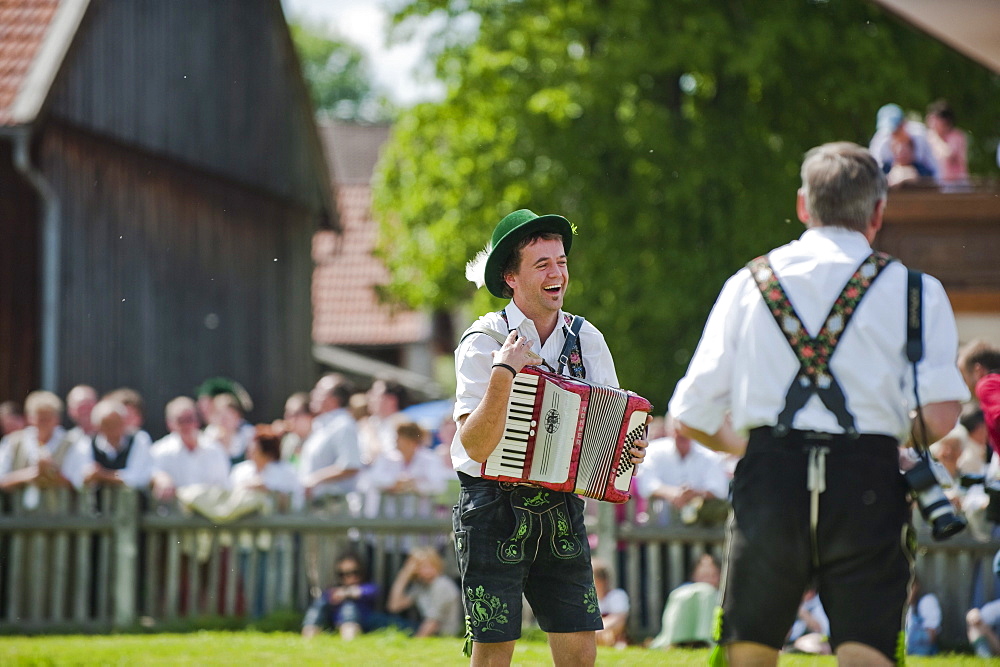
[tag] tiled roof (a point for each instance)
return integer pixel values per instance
(346, 308)
(22, 27)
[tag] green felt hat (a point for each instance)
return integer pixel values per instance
(223, 385)
(506, 236)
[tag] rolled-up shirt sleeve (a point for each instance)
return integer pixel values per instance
(473, 363)
(937, 372)
(701, 398)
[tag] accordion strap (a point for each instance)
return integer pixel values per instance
(495, 335)
(481, 329)
(571, 344)
(572, 334)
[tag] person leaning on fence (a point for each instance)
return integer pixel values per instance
(229, 429)
(525, 261)
(687, 477)
(295, 426)
(182, 458)
(825, 397)
(264, 470)
(38, 455)
(114, 456)
(409, 470)
(329, 463)
(385, 401)
(80, 402)
(11, 418)
(330, 459)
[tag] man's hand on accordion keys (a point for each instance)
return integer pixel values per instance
(638, 450)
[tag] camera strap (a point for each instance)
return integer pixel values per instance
(915, 347)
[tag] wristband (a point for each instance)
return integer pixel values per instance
(508, 367)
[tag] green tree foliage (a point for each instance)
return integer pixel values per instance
(338, 76)
(669, 131)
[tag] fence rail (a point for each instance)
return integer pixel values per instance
(103, 561)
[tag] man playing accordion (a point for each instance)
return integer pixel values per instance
(513, 539)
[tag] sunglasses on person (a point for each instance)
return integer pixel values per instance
(348, 573)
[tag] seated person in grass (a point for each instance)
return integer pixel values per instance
(348, 607)
(422, 584)
(614, 604)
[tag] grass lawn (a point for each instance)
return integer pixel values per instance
(285, 648)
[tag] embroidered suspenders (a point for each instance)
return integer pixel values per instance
(814, 353)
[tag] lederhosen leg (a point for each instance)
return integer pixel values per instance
(522, 539)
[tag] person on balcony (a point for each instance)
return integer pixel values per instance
(892, 125)
(948, 143)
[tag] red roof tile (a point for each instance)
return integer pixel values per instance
(22, 27)
(346, 307)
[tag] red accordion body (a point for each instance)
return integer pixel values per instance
(567, 434)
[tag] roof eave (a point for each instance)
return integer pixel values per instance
(45, 66)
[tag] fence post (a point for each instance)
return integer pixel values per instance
(124, 535)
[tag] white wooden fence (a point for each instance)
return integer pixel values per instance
(106, 560)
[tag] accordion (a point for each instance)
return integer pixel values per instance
(568, 434)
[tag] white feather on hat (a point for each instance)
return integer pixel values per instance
(475, 269)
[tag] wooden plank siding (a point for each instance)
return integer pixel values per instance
(954, 236)
(214, 85)
(170, 276)
(19, 293)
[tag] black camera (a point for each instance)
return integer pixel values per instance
(934, 505)
(966, 480)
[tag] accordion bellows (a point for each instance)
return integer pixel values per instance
(568, 434)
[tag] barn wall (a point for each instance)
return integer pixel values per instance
(213, 84)
(170, 276)
(19, 281)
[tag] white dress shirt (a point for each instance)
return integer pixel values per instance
(474, 363)
(207, 464)
(701, 470)
(237, 447)
(33, 450)
(425, 470)
(743, 363)
(333, 441)
(138, 469)
(277, 476)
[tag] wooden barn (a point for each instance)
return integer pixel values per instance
(161, 178)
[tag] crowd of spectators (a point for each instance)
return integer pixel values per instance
(337, 450)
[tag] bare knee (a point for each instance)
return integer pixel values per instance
(573, 648)
(973, 618)
(492, 655)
